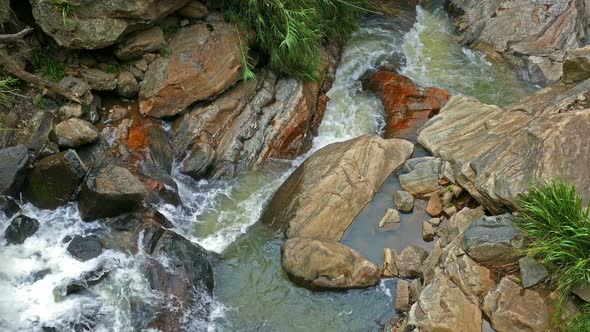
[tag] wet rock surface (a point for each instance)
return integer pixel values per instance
(54, 181)
(20, 228)
(13, 164)
(327, 265)
(110, 191)
(8, 206)
(84, 248)
(407, 106)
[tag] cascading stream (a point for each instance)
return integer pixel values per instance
(252, 292)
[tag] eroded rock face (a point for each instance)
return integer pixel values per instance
(110, 191)
(322, 264)
(98, 24)
(497, 153)
(204, 60)
(54, 181)
(270, 117)
(509, 306)
(530, 34)
(322, 197)
(442, 306)
(407, 106)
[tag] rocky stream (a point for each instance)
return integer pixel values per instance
(377, 199)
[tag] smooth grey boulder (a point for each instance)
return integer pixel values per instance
(531, 271)
(13, 165)
(54, 180)
(422, 175)
(21, 228)
(84, 248)
(110, 191)
(493, 241)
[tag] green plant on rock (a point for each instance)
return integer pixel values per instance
(291, 32)
(557, 227)
(50, 67)
(65, 8)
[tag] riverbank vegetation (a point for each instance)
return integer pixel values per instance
(289, 33)
(557, 226)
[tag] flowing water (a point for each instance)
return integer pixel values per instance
(252, 293)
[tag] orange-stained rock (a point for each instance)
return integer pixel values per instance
(270, 117)
(407, 106)
(204, 60)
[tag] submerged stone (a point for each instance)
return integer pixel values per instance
(85, 248)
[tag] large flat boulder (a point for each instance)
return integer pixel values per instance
(204, 60)
(87, 24)
(321, 265)
(530, 34)
(496, 153)
(322, 197)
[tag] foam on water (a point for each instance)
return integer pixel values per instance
(33, 274)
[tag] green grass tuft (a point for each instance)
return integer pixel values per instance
(580, 322)
(557, 227)
(65, 8)
(291, 32)
(50, 67)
